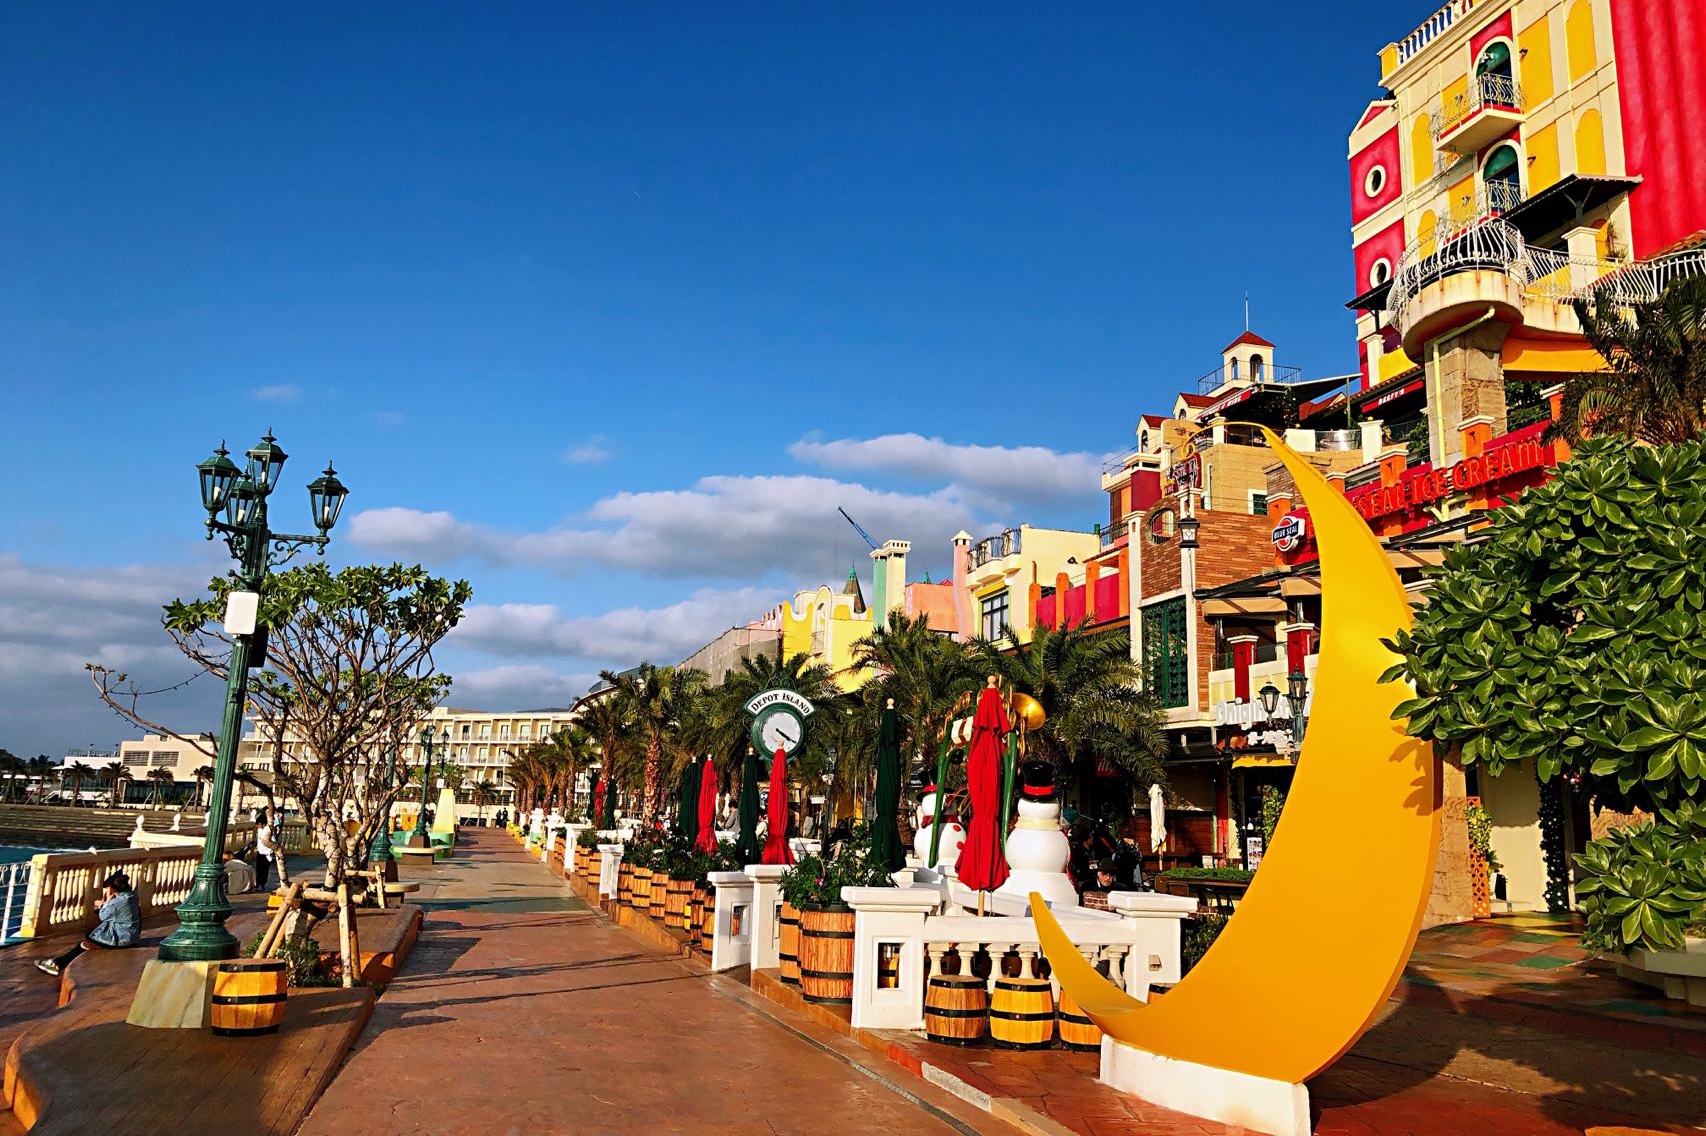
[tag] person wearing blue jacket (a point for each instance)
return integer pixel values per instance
(120, 925)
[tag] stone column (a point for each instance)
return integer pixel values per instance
(1467, 381)
(763, 916)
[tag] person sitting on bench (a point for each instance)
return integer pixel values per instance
(120, 926)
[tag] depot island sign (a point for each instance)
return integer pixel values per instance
(1428, 485)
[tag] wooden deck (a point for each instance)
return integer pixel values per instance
(81, 1068)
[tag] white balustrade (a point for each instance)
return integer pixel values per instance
(609, 864)
(730, 947)
(1136, 944)
(237, 835)
(65, 888)
(15, 888)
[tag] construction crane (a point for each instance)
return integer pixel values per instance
(858, 528)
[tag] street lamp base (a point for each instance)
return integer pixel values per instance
(201, 935)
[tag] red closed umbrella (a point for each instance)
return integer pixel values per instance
(776, 850)
(598, 802)
(981, 865)
(707, 841)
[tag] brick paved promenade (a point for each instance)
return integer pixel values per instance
(520, 1012)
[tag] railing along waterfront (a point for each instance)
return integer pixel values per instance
(64, 890)
(14, 889)
(1431, 27)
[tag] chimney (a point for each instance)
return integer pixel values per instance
(962, 597)
(895, 593)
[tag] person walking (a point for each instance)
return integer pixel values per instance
(120, 924)
(265, 849)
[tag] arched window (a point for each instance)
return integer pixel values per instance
(1502, 176)
(1234, 370)
(1493, 75)
(1256, 368)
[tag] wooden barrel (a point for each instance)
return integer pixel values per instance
(625, 885)
(708, 922)
(1021, 1015)
(248, 997)
(642, 889)
(888, 966)
(695, 912)
(956, 1009)
(1077, 1031)
(676, 902)
(788, 949)
(660, 894)
(580, 861)
(826, 955)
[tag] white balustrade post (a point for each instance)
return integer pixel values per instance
(766, 914)
(734, 895)
(1153, 921)
(609, 867)
(888, 917)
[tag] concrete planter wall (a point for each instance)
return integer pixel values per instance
(1678, 974)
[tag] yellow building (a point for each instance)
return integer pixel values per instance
(1004, 576)
(825, 625)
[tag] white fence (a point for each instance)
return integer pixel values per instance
(14, 889)
(64, 890)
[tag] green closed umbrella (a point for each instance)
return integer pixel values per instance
(885, 822)
(747, 848)
(687, 804)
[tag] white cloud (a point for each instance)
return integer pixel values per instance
(1004, 473)
(591, 451)
(623, 637)
(284, 392)
(723, 527)
(517, 687)
(55, 618)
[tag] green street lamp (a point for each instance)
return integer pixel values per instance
(380, 852)
(418, 838)
(241, 496)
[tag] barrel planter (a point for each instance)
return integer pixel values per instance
(1021, 1015)
(696, 913)
(660, 894)
(788, 946)
(678, 895)
(580, 861)
(642, 889)
(708, 921)
(594, 869)
(826, 954)
(248, 997)
(625, 885)
(1077, 1031)
(956, 1009)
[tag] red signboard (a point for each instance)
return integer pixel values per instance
(1420, 486)
(1393, 395)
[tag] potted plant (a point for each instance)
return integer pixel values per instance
(588, 858)
(677, 859)
(724, 860)
(824, 936)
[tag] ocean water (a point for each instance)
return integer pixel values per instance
(11, 852)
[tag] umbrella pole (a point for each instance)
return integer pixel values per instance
(1007, 769)
(980, 903)
(941, 801)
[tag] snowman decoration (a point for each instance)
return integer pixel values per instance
(953, 835)
(1037, 848)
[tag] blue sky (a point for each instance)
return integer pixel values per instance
(607, 308)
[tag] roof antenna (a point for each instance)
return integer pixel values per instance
(1246, 311)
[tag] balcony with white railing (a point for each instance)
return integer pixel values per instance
(1229, 372)
(1442, 278)
(1489, 108)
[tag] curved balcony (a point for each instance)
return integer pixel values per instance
(1443, 281)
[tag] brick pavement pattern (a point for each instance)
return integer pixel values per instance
(520, 1011)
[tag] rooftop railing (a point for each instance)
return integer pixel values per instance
(1431, 27)
(1263, 373)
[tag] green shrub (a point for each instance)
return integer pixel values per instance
(1481, 836)
(1222, 875)
(1645, 885)
(1273, 800)
(1196, 935)
(587, 839)
(301, 958)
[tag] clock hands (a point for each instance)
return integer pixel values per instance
(785, 735)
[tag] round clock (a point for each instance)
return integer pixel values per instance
(778, 727)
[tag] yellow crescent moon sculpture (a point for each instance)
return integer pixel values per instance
(1322, 936)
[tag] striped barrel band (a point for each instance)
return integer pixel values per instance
(811, 934)
(1010, 1016)
(804, 973)
(933, 1012)
(1076, 1020)
(246, 999)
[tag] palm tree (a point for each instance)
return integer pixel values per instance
(611, 734)
(484, 794)
(928, 675)
(76, 773)
(13, 768)
(161, 778)
(40, 768)
(1654, 386)
(114, 774)
(655, 699)
(1091, 691)
(203, 776)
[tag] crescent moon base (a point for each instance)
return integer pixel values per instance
(1278, 1108)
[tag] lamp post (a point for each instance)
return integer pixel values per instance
(828, 802)
(380, 852)
(241, 496)
(1269, 696)
(1298, 683)
(418, 838)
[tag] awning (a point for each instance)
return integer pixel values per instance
(1254, 605)
(1566, 200)
(1300, 586)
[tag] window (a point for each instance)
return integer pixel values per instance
(527, 730)
(503, 731)
(163, 758)
(1162, 526)
(482, 754)
(1379, 272)
(1166, 661)
(1374, 181)
(486, 731)
(995, 615)
(1256, 368)
(1258, 504)
(135, 760)
(1234, 370)
(467, 731)
(1502, 176)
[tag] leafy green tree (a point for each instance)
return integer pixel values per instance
(349, 673)
(1654, 386)
(484, 794)
(930, 676)
(203, 778)
(1570, 637)
(13, 769)
(654, 700)
(77, 773)
(1090, 689)
(161, 778)
(115, 775)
